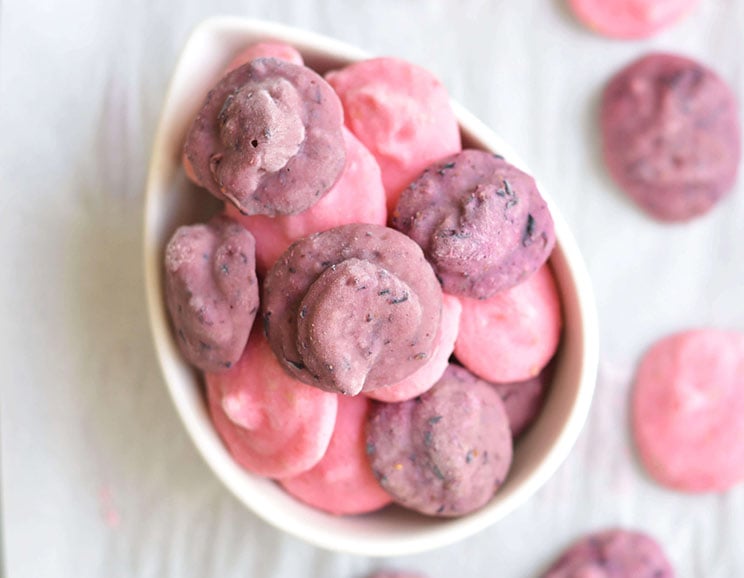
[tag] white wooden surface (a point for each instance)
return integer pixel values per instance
(98, 477)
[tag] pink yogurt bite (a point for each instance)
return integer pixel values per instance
(688, 410)
(630, 18)
(513, 335)
(426, 376)
(277, 50)
(401, 113)
(357, 197)
(272, 424)
(342, 482)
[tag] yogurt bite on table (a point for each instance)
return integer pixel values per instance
(630, 18)
(671, 136)
(614, 553)
(688, 410)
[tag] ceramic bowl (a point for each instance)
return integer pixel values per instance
(172, 201)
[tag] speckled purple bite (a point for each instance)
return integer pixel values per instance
(269, 138)
(613, 554)
(446, 452)
(211, 291)
(480, 221)
(671, 135)
(353, 308)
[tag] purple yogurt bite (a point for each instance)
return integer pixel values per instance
(671, 135)
(523, 401)
(613, 554)
(211, 291)
(445, 452)
(480, 221)
(353, 308)
(268, 138)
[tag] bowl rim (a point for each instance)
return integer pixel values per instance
(440, 532)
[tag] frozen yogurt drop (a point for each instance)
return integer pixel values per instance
(211, 291)
(480, 221)
(428, 374)
(513, 335)
(630, 18)
(401, 113)
(671, 135)
(357, 197)
(342, 482)
(268, 49)
(523, 400)
(688, 410)
(259, 50)
(446, 452)
(613, 554)
(268, 138)
(353, 308)
(272, 424)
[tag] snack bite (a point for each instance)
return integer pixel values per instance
(630, 18)
(211, 291)
(480, 221)
(268, 138)
(446, 452)
(342, 481)
(269, 49)
(513, 335)
(613, 554)
(272, 424)
(401, 113)
(523, 400)
(353, 308)
(671, 136)
(688, 410)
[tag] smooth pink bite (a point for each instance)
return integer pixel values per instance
(401, 113)
(342, 482)
(272, 424)
(630, 18)
(688, 410)
(513, 335)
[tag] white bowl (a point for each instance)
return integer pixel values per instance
(171, 201)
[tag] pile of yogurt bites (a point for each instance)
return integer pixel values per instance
(372, 311)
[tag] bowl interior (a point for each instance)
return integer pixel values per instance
(172, 201)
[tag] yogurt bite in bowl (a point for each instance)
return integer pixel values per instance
(173, 201)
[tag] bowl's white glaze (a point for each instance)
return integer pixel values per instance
(172, 201)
